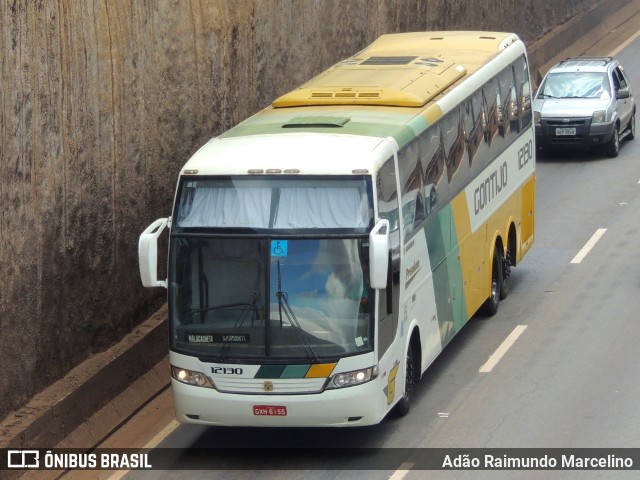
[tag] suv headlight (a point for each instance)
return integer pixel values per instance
(190, 377)
(356, 377)
(537, 118)
(599, 116)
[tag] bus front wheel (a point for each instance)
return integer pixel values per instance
(402, 407)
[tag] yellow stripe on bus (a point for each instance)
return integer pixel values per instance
(432, 114)
(472, 255)
(322, 370)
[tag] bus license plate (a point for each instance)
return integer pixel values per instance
(565, 131)
(270, 410)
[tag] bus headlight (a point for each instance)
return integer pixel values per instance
(190, 377)
(599, 116)
(356, 377)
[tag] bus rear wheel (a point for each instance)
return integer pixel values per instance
(490, 306)
(507, 261)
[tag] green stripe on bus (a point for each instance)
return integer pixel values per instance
(447, 273)
(282, 371)
(295, 371)
(270, 371)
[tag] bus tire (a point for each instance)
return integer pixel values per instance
(506, 273)
(410, 378)
(490, 306)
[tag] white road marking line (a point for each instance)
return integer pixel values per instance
(402, 472)
(589, 245)
(162, 434)
(502, 349)
(151, 444)
(118, 475)
(625, 44)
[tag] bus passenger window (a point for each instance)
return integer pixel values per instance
(490, 94)
(452, 130)
(507, 100)
(477, 138)
(412, 181)
(524, 92)
(432, 154)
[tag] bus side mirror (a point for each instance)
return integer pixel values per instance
(148, 253)
(379, 255)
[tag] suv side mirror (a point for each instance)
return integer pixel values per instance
(623, 93)
(148, 253)
(379, 255)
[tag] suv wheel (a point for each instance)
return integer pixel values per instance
(613, 147)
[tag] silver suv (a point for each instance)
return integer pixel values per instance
(585, 101)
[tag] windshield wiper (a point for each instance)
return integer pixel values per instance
(283, 304)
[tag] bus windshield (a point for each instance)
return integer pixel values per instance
(271, 268)
(255, 298)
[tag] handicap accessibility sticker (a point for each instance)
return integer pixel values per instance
(279, 248)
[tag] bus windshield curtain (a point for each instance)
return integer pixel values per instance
(297, 208)
(321, 208)
(228, 207)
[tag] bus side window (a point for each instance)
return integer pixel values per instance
(490, 94)
(523, 87)
(507, 98)
(388, 195)
(478, 150)
(412, 183)
(467, 120)
(452, 130)
(433, 157)
(388, 299)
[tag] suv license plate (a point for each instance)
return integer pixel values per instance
(565, 131)
(270, 410)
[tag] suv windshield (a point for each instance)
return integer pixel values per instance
(274, 293)
(575, 85)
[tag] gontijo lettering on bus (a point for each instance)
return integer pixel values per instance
(497, 182)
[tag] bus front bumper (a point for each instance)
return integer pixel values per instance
(359, 405)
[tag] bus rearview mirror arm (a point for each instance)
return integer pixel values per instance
(148, 253)
(379, 255)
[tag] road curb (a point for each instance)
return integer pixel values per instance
(104, 389)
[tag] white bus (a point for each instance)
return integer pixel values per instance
(323, 252)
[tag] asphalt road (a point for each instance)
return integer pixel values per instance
(569, 380)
